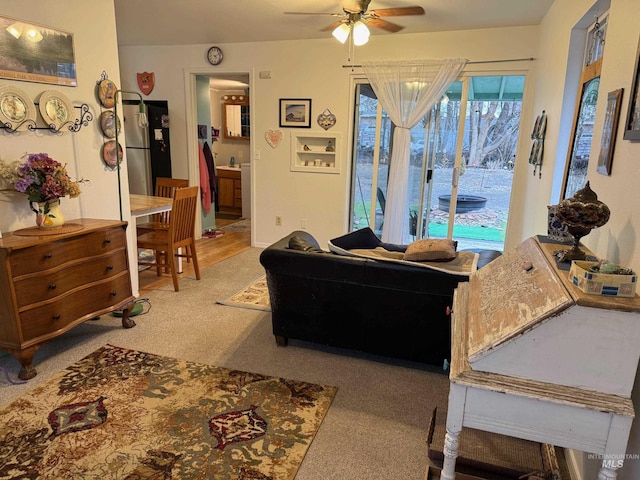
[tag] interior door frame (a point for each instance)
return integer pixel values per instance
(191, 118)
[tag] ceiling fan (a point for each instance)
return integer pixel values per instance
(356, 17)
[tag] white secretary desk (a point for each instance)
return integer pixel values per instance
(536, 358)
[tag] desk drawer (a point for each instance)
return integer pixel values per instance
(44, 256)
(50, 284)
(54, 317)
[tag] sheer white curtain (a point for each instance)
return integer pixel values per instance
(406, 90)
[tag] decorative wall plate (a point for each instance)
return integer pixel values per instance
(109, 153)
(55, 108)
(108, 123)
(273, 137)
(106, 93)
(326, 119)
(17, 110)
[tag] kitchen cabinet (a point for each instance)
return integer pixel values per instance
(229, 190)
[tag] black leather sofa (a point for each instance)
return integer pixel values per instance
(379, 307)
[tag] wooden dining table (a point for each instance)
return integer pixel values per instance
(143, 205)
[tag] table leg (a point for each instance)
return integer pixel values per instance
(451, 445)
(455, 416)
(607, 472)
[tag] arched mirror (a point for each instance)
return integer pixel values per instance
(235, 111)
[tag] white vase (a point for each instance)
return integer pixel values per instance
(49, 214)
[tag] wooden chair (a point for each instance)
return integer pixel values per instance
(167, 242)
(164, 188)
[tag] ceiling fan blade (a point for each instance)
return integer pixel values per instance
(315, 13)
(332, 27)
(384, 25)
(397, 12)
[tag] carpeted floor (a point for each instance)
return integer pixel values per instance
(121, 413)
(254, 296)
(377, 426)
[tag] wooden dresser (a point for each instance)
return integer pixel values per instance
(534, 357)
(229, 190)
(49, 284)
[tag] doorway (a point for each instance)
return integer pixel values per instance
(199, 108)
(461, 163)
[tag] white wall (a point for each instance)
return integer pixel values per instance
(555, 91)
(95, 50)
(309, 69)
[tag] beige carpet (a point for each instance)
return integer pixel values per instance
(376, 428)
(121, 413)
(254, 296)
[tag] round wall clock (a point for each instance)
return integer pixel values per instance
(214, 55)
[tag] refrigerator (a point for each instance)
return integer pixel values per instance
(148, 149)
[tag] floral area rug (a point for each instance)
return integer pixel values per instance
(126, 414)
(254, 296)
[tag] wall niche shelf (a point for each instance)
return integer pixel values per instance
(316, 152)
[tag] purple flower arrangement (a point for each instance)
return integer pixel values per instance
(44, 179)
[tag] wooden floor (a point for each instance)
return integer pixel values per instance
(210, 251)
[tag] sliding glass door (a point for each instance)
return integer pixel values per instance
(461, 165)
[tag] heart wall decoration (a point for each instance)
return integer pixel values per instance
(326, 119)
(273, 137)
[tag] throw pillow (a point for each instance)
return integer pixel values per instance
(430, 249)
(297, 243)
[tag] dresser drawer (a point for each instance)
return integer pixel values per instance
(70, 309)
(50, 284)
(52, 254)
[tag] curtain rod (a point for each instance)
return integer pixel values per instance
(472, 63)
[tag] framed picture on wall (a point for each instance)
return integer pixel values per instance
(632, 126)
(36, 54)
(609, 130)
(295, 112)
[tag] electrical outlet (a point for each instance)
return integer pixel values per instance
(278, 220)
(303, 223)
(239, 153)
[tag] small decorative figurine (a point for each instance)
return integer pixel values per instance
(329, 147)
(306, 148)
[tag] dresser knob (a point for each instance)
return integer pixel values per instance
(52, 286)
(56, 316)
(107, 241)
(109, 267)
(48, 255)
(113, 293)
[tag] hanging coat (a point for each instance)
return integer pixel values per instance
(213, 182)
(205, 189)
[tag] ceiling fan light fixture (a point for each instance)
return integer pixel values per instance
(341, 32)
(360, 33)
(15, 29)
(33, 35)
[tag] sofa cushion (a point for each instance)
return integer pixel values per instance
(297, 243)
(431, 249)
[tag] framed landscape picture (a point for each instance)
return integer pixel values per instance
(609, 130)
(632, 126)
(35, 53)
(295, 112)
